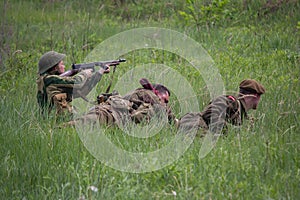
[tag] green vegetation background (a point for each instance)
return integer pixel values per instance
(246, 39)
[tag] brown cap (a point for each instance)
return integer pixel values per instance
(251, 86)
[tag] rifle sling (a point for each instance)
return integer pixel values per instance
(111, 80)
(107, 90)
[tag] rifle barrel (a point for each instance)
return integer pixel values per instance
(99, 63)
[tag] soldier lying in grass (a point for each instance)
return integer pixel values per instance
(225, 109)
(138, 106)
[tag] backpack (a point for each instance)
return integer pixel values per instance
(42, 97)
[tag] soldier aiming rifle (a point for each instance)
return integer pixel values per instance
(56, 88)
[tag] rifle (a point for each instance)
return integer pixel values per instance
(78, 67)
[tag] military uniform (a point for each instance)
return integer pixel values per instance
(146, 104)
(139, 106)
(57, 92)
(222, 110)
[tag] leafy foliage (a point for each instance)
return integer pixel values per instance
(207, 13)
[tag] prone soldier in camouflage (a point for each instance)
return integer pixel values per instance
(150, 101)
(56, 92)
(138, 106)
(225, 109)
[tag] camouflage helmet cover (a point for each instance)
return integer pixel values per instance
(49, 60)
(251, 86)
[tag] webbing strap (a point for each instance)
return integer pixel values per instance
(111, 80)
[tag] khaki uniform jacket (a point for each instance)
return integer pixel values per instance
(138, 106)
(222, 110)
(56, 91)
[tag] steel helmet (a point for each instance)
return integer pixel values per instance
(49, 60)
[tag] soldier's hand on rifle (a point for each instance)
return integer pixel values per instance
(104, 70)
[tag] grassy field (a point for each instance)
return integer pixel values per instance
(245, 39)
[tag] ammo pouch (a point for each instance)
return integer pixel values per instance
(61, 103)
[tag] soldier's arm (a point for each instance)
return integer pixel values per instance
(82, 82)
(76, 81)
(89, 84)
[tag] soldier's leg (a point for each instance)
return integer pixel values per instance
(99, 114)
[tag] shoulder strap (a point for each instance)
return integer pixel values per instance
(237, 114)
(231, 97)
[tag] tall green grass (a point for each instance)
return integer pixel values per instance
(39, 160)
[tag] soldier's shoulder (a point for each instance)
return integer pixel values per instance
(220, 98)
(52, 78)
